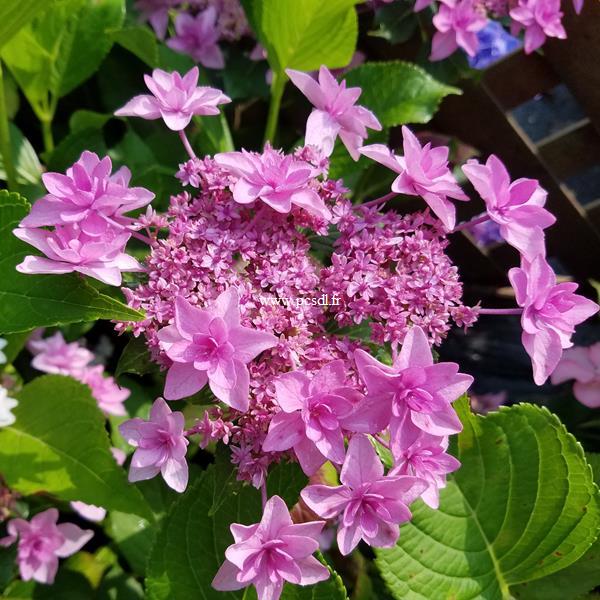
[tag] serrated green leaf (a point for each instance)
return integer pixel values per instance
(398, 92)
(59, 445)
(190, 545)
(305, 34)
(522, 506)
(30, 301)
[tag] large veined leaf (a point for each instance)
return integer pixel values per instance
(59, 445)
(522, 506)
(574, 581)
(30, 301)
(305, 34)
(190, 544)
(26, 161)
(61, 48)
(398, 92)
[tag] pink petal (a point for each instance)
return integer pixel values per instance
(291, 389)
(144, 106)
(175, 474)
(311, 202)
(34, 265)
(321, 131)
(183, 380)
(312, 571)
(588, 393)
(348, 538)
(249, 343)
(326, 501)
(362, 465)
(190, 319)
(544, 349)
(237, 396)
(226, 578)
(309, 457)
(227, 306)
(75, 539)
(285, 431)
(383, 155)
(308, 86)
(416, 351)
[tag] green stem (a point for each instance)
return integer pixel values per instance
(47, 135)
(5, 147)
(277, 87)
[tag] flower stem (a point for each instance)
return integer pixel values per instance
(5, 147)
(381, 200)
(469, 224)
(277, 87)
(142, 238)
(500, 311)
(186, 144)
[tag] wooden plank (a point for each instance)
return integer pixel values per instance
(571, 150)
(518, 78)
(477, 119)
(577, 59)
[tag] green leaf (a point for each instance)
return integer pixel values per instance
(61, 48)
(15, 343)
(397, 22)
(29, 169)
(68, 585)
(72, 145)
(59, 445)
(15, 14)
(190, 546)
(398, 92)
(30, 301)
(140, 41)
(88, 119)
(135, 359)
(578, 578)
(305, 34)
(522, 506)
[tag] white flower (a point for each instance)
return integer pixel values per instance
(6, 405)
(3, 343)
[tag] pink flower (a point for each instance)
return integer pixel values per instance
(312, 415)
(160, 445)
(42, 542)
(550, 313)
(271, 552)
(423, 455)
(210, 345)
(54, 355)
(423, 171)
(578, 6)
(70, 249)
(89, 195)
(540, 18)
(516, 207)
(156, 12)
(421, 5)
(457, 23)
(278, 180)
(335, 112)
(414, 387)
(582, 365)
(175, 99)
(198, 36)
(371, 504)
(107, 393)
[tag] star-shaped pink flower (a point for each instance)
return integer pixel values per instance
(210, 345)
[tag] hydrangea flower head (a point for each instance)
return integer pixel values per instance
(540, 19)
(106, 392)
(270, 553)
(550, 313)
(422, 171)
(87, 194)
(210, 345)
(41, 542)
(175, 99)
(457, 23)
(494, 44)
(517, 207)
(312, 415)
(414, 388)
(278, 180)
(371, 504)
(6, 405)
(54, 355)
(69, 249)
(160, 445)
(424, 456)
(197, 37)
(335, 112)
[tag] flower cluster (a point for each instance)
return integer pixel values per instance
(199, 26)
(230, 306)
(458, 22)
